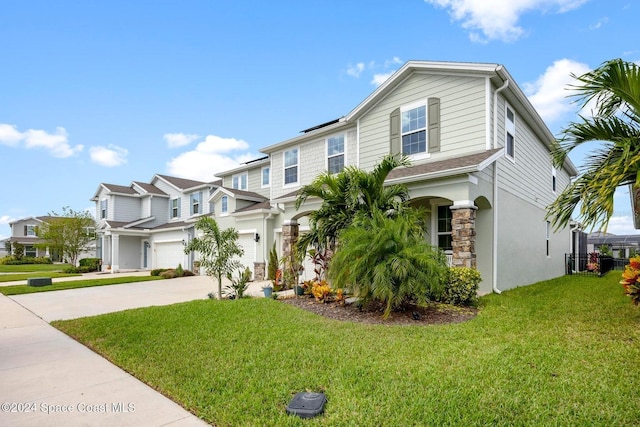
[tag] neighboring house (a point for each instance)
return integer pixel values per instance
(146, 225)
(24, 231)
(621, 246)
(481, 168)
(3, 247)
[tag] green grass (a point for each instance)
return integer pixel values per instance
(561, 352)
(32, 267)
(16, 277)
(74, 284)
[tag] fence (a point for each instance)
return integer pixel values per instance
(593, 264)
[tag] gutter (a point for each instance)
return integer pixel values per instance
(495, 188)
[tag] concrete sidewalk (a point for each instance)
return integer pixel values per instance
(48, 379)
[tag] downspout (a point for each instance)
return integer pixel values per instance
(495, 189)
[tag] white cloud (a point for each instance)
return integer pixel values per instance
(212, 155)
(550, 93)
(9, 135)
(56, 143)
(179, 139)
(622, 225)
(378, 79)
(599, 24)
(355, 70)
(497, 19)
(108, 156)
(6, 219)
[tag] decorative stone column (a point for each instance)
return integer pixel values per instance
(290, 233)
(463, 235)
(259, 270)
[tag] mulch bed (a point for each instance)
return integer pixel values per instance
(434, 314)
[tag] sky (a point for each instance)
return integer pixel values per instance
(118, 91)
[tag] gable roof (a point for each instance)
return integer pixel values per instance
(149, 188)
(180, 183)
(240, 194)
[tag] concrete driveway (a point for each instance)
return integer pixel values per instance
(49, 379)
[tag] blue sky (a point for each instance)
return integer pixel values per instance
(118, 91)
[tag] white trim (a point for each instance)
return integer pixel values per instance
(358, 143)
(507, 131)
(222, 211)
(473, 179)
(239, 176)
(487, 120)
(421, 155)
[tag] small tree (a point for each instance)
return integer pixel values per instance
(18, 250)
(217, 249)
(71, 233)
(272, 269)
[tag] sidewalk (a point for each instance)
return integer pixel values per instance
(48, 379)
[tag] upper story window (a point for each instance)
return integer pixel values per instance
(510, 136)
(196, 202)
(335, 154)
(174, 209)
(239, 182)
(444, 228)
(414, 130)
(266, 176)
(30, 230)
(103, 209)
(291, 160)
(224, 202)
(554, 180)
(548, 233)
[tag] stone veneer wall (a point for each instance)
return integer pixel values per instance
(463, 236)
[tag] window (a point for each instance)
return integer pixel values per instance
(414, 130)
(30, 230)
(174, 210)
(30, 251)
(266, 176)
(224, 208)
(510, 133)
(444, 228)
(196, 200)
(335, 154)
(553, 179)
(291, 167)
(103, 209)
(548, 228)
(239, 182)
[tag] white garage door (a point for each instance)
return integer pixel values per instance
(169, 255)
(249, 246)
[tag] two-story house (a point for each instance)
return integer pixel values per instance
(25, 232)
(146, 225)
(481, 168)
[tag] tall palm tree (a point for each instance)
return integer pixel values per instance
(217, 249)
(615, 89)
(348, 194)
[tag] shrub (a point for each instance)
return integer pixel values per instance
(169, 274)
(179, 271)
(158, 271)
(321, 291)
(92, 263)
(11, 260)
(630, 278)
(75, 270)
(239, 284)
(461, 287)
(272, 268)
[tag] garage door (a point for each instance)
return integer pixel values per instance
(249, 246)
(169, 255)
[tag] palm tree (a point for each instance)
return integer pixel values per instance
(348, 194)
(217, 249)
(615, 89)
(387, 259)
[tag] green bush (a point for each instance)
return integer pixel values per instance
(272, 268)
(461, 287)
(12, 260)
(179, 271)
(169, 274)
(92, 263)
(74, 270)
(158, 271)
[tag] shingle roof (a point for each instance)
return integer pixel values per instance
(243, 193)
(119, 189)
(181, 183)
(443, 165)
(150, 188)
(258, 206)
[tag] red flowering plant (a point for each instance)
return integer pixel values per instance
(631, 280)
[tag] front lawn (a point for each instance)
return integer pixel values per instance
(16, 277)
(32, 267)
(561, 352)
(73, 284)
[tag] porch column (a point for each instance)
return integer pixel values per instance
(463, 234)
(290, 232)
(115, 252)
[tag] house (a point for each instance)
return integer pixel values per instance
(481, 168)
(146, 225)
(621, 246)
(24, 232)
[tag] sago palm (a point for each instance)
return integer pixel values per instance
(614, 87)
